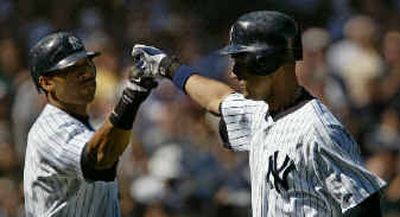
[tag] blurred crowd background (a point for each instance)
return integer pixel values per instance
(176, 165)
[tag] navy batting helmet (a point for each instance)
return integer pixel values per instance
(268, 38)
(55, 52)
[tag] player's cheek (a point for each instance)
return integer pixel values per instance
(89, 91)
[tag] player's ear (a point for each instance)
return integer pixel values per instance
(46, 83)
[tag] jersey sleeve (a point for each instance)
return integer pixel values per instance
(239, 119)
(62, 145)
(73, 159)
(91, 174)
(339, 167)
(60, 141)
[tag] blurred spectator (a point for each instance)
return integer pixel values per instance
(390, 204)
(26, 104)
(25, 109)
(36, 29)
(5, 124)
(341, 12)
(10, 199)
(316, 75)
(356, 59)
(232, 197)
(391, 54)
(8, 161)
(10, 58)
(383, 163)
(314, 69)
(6, 11)
(107, 79)
(386, 135)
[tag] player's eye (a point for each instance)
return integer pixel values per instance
(238, 55)
(238, 71)
(83, 70)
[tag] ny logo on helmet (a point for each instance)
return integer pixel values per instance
(75, 43)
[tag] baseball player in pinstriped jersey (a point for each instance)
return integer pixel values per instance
(70, 168)
(303, 162)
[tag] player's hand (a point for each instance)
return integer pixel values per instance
(148, 59)
(138, 82)
(135, 91)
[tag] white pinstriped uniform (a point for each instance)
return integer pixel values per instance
(303, 164)
(53, 180)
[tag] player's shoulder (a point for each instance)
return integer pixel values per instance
(320, 115)
(314, 119)
(53, 120)
(309, 114)
(237, 100)
(325, 126)
(49, 115)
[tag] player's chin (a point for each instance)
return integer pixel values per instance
(247, 95)
(253, 95)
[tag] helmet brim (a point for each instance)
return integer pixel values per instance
(234, 49)
(73, 59)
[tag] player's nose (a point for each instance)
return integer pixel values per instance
(237, 72)
(88, 74)
(232, 75)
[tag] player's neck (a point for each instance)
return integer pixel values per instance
(298, 96)
(285, 89)
(76, 110)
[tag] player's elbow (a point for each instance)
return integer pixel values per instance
(213, 106)
(106, 160)
(94, 170)
(100, 159)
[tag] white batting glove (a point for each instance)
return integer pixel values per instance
(137, 82)
(148, 59)
(135, 91)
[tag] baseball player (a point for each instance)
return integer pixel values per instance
(70, 168)
(303, 161)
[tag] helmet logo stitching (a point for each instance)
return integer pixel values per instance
(75, 43)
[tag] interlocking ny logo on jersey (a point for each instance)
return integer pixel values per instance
(279, 173)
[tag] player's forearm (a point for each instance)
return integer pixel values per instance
(107, 144)
(208, 93)
(110, 141)
(154, 62)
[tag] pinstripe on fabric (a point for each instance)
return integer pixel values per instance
(53, 180)
(328, 177)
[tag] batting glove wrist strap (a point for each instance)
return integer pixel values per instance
(168, 66)
(171, 68)
(181, 76)
(125, 111)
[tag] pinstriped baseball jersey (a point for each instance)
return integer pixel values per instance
(302, 164)
(54, 184)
